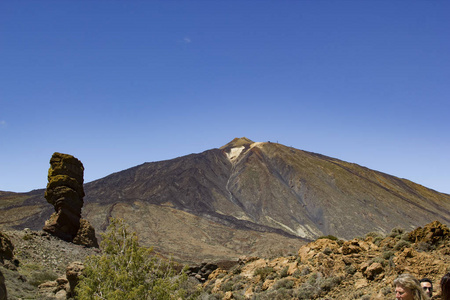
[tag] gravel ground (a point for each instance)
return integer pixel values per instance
(38, 257)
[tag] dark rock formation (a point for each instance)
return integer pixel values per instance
(86, 235)
(6, 248)
(73, 273)
(202, 271)
(65, 192)
(3, 295)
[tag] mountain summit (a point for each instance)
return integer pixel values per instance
(246, 198)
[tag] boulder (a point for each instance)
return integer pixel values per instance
(373, 270)
(351, 247)
(86, 235)
(73, 273)
(202, 271)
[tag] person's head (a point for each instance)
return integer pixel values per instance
(445, 286)
(407, 287)
(427, 286)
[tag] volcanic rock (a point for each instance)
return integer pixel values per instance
(431, 234)
(73, 273)
(6, 248)
(86, 235)
(65, 192)
(3, 294)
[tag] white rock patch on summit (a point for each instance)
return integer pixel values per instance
(234, 153)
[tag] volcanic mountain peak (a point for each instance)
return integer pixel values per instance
(237, 142)
(245, 198)
(238, 146)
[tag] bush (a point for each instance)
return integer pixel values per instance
(350, 269)
(387, 254)
(326, 284)
(283, 283)
(330, 237)
(374, 235)
(284, 272)
(263, 272)
(126, 270)
(396, 232)
(296, 273)
(401, 244)
(38, 278)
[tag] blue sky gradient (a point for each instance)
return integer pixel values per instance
(120, 83)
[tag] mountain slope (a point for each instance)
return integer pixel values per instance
(245, 198)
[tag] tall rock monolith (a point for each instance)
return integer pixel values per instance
(65, 192)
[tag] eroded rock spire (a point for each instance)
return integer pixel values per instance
(65, 192)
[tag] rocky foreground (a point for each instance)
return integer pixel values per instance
(328, 268)
(35, 263)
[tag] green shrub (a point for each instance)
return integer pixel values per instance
(396, 232)
(313, 278)
(379, 260)
(387, 254)
(305, 271)
(263, 272)
(27, 237)
(350, 269)
(306, 291)
(126, 270)
(328, 283)
(284, 272)
(296, 273)
(38, 278)
(375, 235)
(236, 270)
(330, 237)
(283, 283)
(401, 244)
(227, 286)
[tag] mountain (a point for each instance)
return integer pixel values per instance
(244, 198)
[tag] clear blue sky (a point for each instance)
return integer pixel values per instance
(120, 83)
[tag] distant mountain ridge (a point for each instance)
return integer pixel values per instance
(244, 198)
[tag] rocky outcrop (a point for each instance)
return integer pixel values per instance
(6, 248)
(432, 234)
(86, 235)
(73, 273)
(65, 192)
(3, 294)
(202, 271)
(337, 269)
